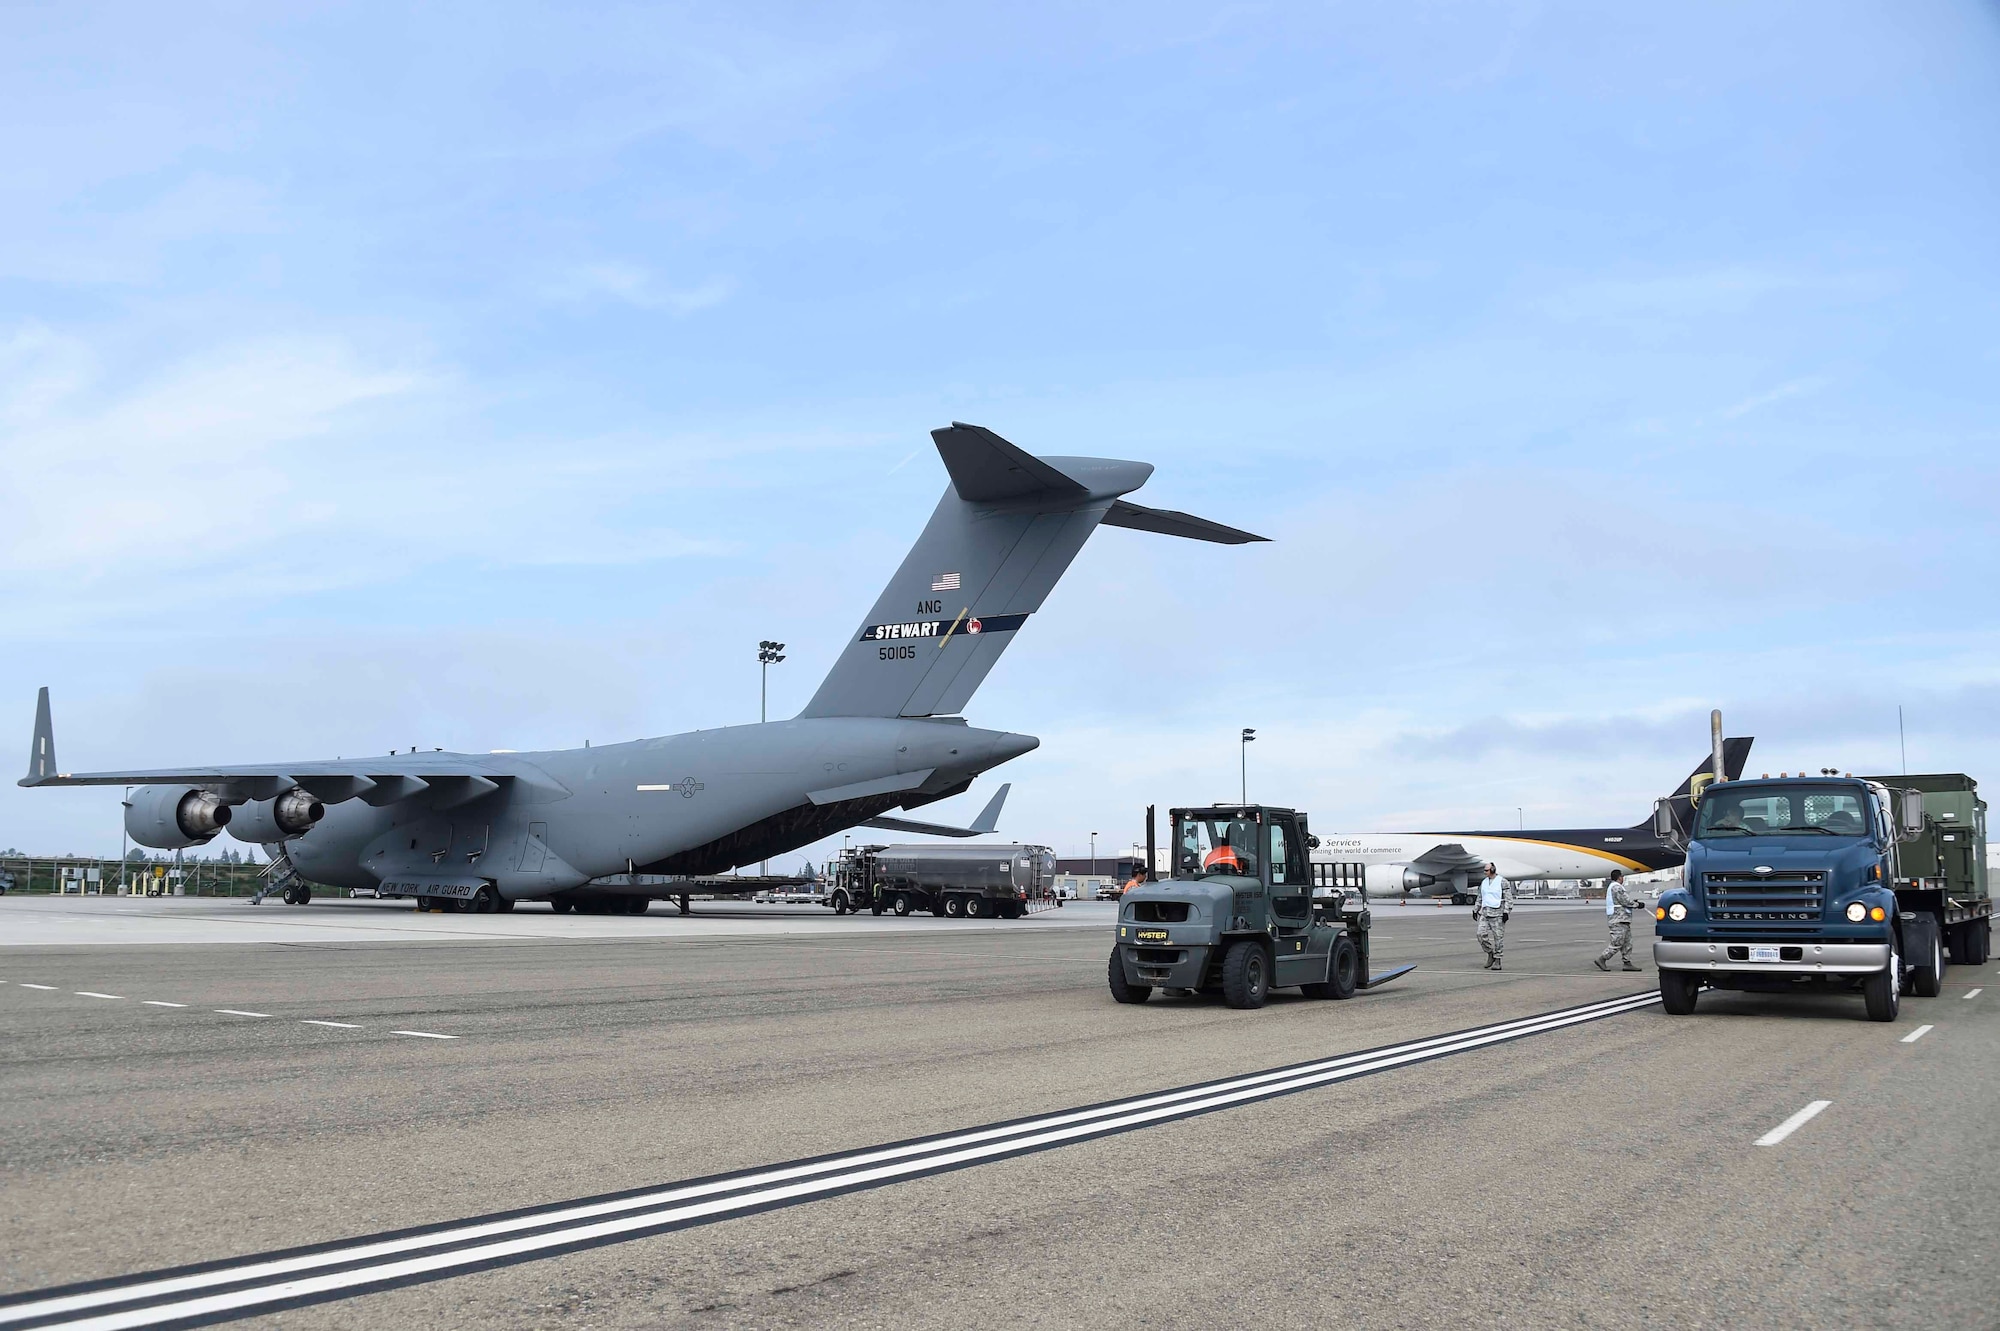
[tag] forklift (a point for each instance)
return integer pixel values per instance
(1245, 911)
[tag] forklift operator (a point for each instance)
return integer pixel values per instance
(1219, 847)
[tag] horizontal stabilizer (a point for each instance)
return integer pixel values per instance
(983, 825)
(986, 469)
(1376, 982)
(1168, 522)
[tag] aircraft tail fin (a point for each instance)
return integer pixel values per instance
(1003, 534)
(42, 749)
(1735, 753)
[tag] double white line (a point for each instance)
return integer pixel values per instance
(221, 1291)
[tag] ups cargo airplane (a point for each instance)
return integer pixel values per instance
(883, 732)
(1451, 863)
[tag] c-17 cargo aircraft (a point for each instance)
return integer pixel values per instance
(883, 732)
(1451, 863)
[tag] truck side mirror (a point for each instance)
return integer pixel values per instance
(1913, 813)
(1663, 819)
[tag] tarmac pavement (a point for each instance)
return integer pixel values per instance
(182, 1102)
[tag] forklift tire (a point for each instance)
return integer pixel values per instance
(1246, 975)
(1927, 979)
(1882, 991)
(1123, 990)
(1343, 968)
(902, 903)
(1678, 990)
(954, 907)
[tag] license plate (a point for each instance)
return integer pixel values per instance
(1763, 954)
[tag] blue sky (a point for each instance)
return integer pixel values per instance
(496, 376)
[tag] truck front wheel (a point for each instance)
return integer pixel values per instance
(1246, 975)
(1927, 978)
(1678, 990)
(1123, 989)
(1882, 991)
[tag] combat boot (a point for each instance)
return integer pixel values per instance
(1496, 963)
(1599, 963)
(1629, 966)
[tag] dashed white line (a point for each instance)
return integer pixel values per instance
(87, 993)
(1793, 1124)
(342, 1025)
(1917, 1034)
(233, 1012)
(49, 987)
(1975, 993)
(160, 1002)
(427, 1035)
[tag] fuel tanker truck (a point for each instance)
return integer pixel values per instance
(969, 882)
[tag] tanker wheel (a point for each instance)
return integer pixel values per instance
(977, 908)
(902, 903)
(954, 907)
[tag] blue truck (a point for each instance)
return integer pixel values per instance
(1829, 882)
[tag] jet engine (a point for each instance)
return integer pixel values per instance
(173, 817)
(265, 822)
(1396, 879)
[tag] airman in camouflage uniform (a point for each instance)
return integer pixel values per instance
(1496, 903)
(1618, 907)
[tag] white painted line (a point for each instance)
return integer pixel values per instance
(86, 993)
(160, 1002)
(1793, 1124)
(427, 1035)
(49, 987)
(232, 1012)
(1975, 993)
(342, 1025)
(1917, 1034)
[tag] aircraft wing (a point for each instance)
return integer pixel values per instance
(452, 778)
(983, 825)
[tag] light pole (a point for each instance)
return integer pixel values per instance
(1243, 755)
(1520, 820)
(1093, 854)
(768, 654)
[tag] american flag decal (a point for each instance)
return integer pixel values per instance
(945, 582)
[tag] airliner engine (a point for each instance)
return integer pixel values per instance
(262, 822)
(173, 817)
(1397, 879)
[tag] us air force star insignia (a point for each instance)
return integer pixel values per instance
(688, 787)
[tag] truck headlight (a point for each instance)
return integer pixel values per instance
(1857, 912)
(1677, 912)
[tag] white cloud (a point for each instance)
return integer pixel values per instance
(637, 286)
(1793, 388)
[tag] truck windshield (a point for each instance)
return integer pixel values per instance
(1209, 846)
(1782, 811)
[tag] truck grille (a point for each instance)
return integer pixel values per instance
(1768, 905)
